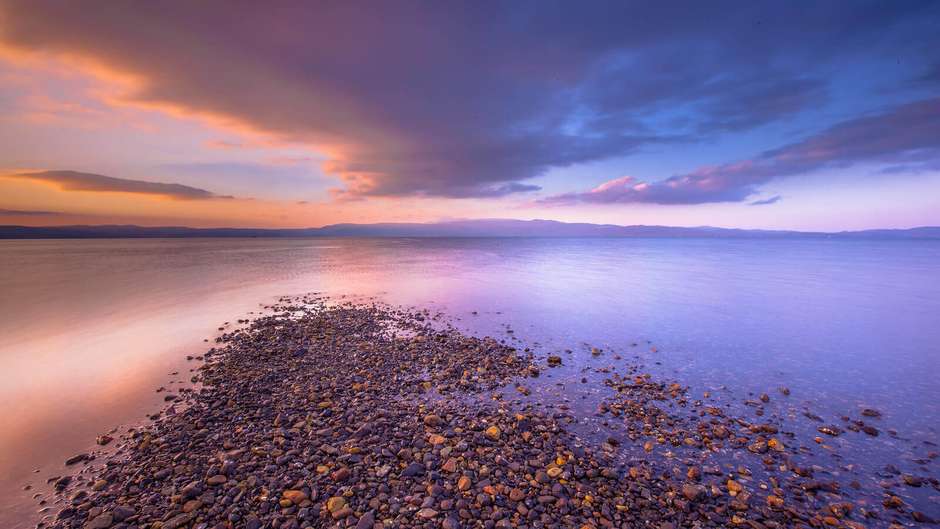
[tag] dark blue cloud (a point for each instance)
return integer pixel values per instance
(767, 201)
(472, 99)
(907, 135)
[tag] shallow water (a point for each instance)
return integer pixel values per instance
(91, 328)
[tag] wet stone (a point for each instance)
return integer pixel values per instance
(102, 521)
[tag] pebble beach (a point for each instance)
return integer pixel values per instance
(341, 414)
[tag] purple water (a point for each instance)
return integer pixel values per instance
(91, 328)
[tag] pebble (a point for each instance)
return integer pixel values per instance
(102, 521)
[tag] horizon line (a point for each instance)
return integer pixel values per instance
(443, 223)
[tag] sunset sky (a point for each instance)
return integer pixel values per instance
(820, 115)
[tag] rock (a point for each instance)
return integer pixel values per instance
(869, 412)
(77, 496)
(62, 482)
(341, 474)
(191, 506)
(554, 361)
(554, 472)
(493, 433)
(450, 465)
(252, 522)
(366, 521)
(294, 496)
(516, 494)
(102, 521)
(217, 479)
(893, 502)
(693, 492)
(463, 483)
(413, 469)
(426, 513)
(178, 521)
(912, 481)
(335, 503)
(122, 512)
(76, 459)
(433, 420)
(830, 430)
(103, 439)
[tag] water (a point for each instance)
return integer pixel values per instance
(90, 328)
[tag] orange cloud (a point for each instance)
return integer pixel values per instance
(78, 181)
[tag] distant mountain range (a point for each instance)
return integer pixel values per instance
(461, 228)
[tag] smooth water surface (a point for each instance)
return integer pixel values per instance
(90, 328)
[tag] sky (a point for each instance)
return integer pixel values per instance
(784, 115)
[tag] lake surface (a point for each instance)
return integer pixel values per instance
(90, 328)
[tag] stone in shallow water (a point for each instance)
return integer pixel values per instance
(830, 430)
(693, 492)
(76, 459)
(62, 482)
(102, 521)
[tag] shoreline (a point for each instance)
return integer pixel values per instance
(370, 416)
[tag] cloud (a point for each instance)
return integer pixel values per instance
(468, 100)
(77, 181)
(767, 201)
(906, 135)
(28, 213)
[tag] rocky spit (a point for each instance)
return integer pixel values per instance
(365, 416)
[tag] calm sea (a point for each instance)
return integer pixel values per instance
(90, 328)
